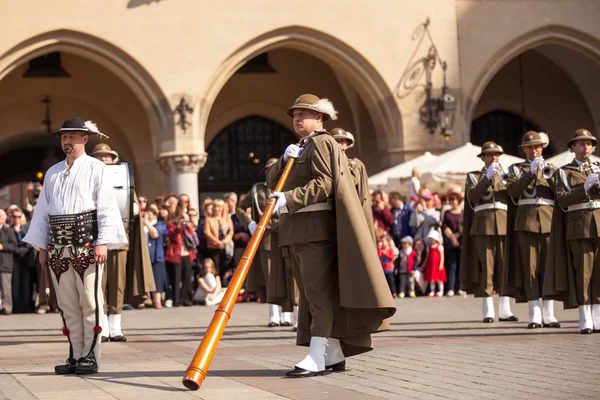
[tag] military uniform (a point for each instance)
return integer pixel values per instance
(259, 278)
(318, 212)
(485, 221)
(582, 234)
(530, 237)
(115, 273)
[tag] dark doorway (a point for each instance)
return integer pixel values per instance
(506, 129)
(237, 154)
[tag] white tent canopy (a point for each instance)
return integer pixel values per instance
(452, 167)
(403, 170)
(566, 157)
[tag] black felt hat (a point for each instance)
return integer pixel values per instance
(77, 125)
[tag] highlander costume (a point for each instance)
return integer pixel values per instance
(75, 212)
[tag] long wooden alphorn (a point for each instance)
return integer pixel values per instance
(196, 372)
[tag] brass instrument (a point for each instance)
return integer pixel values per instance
(548, 171)
(502, 174)
(595, 168)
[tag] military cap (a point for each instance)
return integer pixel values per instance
(270, 162)
(533, 138)
(340, 134)
(313, 103)
(490, 147)
(103, 148)
(582, 134)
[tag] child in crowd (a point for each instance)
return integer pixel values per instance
(434, 271)
(386, 257)
(209, 289)
(407, 262)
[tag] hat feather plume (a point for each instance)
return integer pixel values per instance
(545, 139)
(326, 106)
(92, 127)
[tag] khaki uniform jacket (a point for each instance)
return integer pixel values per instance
(321, 173)
(482, 191)
(522, 184)
(581, 224)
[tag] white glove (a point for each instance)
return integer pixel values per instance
(252, 227)
(281, 202)
(491, 171)
(292, 151)
(590, 181)
(534, 166)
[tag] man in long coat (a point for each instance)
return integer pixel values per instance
(325, 237)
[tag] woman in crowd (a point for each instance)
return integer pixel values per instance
(218, 230)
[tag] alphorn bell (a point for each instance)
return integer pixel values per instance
(196, 372)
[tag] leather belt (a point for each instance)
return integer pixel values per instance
(538, 201)
(73, 229)
(492, 206)
(313, 207)
(590, 205)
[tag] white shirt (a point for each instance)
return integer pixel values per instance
(85, 187)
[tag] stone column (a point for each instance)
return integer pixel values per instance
(182, 173)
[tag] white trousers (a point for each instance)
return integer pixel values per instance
(81, 302)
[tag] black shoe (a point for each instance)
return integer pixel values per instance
(596, 331)
(119, 338)
(187, 303)
(488, 320)
(286, 324)
(587, 331)
(302, 373)
(294, 329)
(86, 366)
(104, 339)
(512, 318)
(272, 324)
(534, 325)
(68, 367)
(337, 367)
(551, 325)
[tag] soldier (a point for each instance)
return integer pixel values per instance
(357, 168)
(572, 273)
(528, 241)
(259, 278)
(343, 294)
(483, 248)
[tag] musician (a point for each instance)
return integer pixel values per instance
(343, 294)
(259, 279)
(357, 168)
(483, 248)
(115, 272)
(574, 241)
(77, 193)
(533, 192)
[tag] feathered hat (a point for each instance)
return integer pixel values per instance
(533, 138)
(77, 125)
(312, 102)
(340, 134)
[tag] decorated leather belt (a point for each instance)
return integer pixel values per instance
(589, 205)
(73, 229)
(313, 207)
(492, 206)
(538, 201)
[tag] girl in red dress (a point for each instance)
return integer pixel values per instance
(434, 265)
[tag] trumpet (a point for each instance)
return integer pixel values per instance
(500, 171)
(547, 169)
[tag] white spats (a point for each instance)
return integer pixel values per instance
(596, 316)
(548, 312)
(295, 316)
(585, 317)
(274, 313)
(286, 318)
(114, 325)
(535, 312)
(334, 353)
(504, 307)
(105, 328)
(315, 360)
(488, 307)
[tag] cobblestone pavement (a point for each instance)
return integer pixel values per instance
(437, 348)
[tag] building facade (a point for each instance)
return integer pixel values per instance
(194, 93)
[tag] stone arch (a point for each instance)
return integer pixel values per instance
(117, 61)
(550, 34)
(367, 81)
